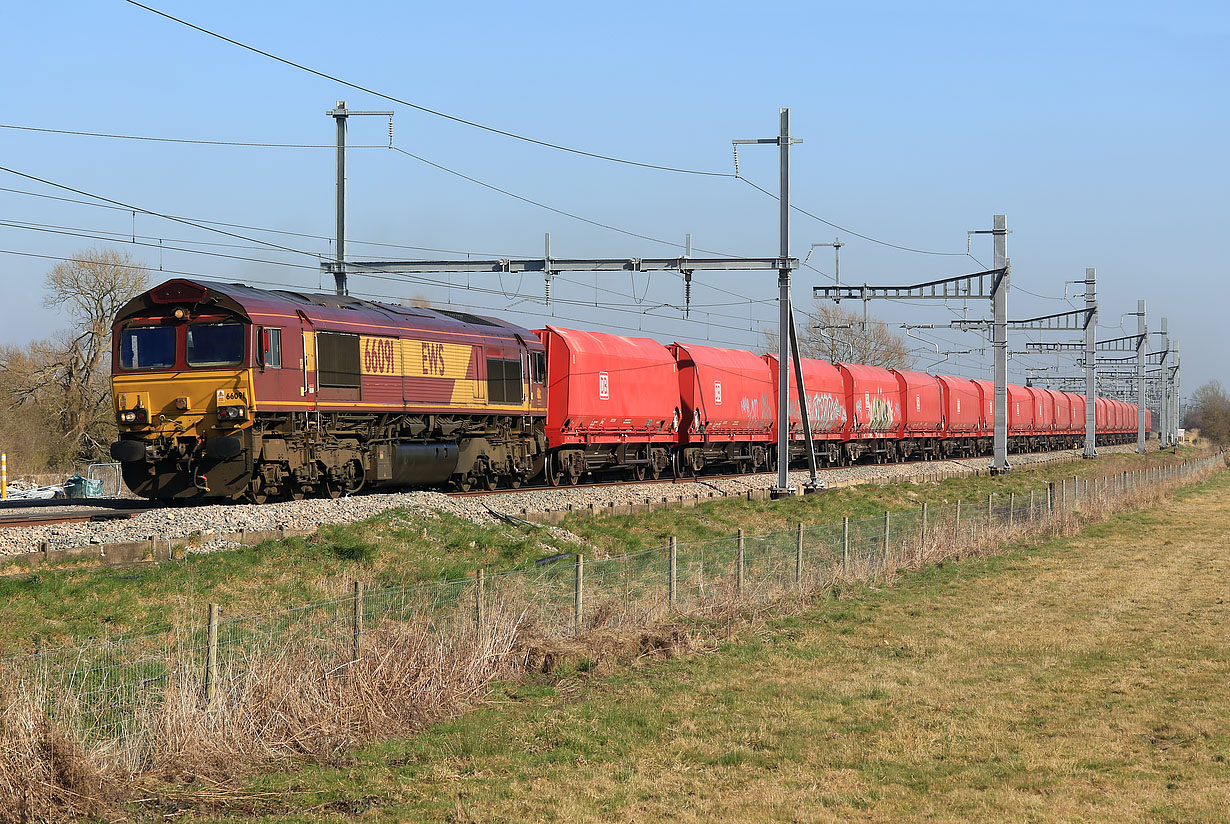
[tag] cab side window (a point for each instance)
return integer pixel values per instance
(538, 367)
(271, 348)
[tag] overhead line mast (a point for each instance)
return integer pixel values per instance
(340, 114)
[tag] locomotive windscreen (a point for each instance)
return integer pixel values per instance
(215, 344)
(147, 347)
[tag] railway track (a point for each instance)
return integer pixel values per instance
(47, 518)
(49, 513)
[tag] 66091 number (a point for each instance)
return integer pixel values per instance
(378, 358)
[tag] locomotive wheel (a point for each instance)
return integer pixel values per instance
(490, 482)
(296, 493)
(514, 481)
(331, 490)
(256, 492)
(465, 484)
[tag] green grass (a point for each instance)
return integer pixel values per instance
(1083, 679)
(399, 547)
(716, 519)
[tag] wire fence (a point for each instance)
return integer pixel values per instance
(109, 690)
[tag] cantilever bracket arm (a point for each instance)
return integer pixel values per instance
(1075, 320)
(975, 286)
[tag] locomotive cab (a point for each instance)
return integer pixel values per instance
(182, 362)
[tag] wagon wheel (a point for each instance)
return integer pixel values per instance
(654, 471)
(573, 478)
(696, 465)
(639, 471)
(553, 474)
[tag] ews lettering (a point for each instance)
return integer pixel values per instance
(433, 359)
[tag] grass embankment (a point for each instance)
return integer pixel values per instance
(399, 547)
(1080, 680)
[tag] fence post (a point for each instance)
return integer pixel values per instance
(990, 498)
(845, 545)
(356, 620)
(480, 584)
(211, 654)
(956, 521)
(798, 558)
(1011, 508)
(739, 566)
(922, 535)
(672, 571)
(4, 476)
(578, 598)
(886, 516)
(1031, 506)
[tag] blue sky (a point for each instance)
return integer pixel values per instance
(1099, 129)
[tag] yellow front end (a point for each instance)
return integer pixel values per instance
(173, 441)
(183, 404)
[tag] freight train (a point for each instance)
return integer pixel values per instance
(230, 392)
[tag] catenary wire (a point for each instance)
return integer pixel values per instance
(803, 211)
(263, 228)
(150, 139)
(580, 218)
(130, 207)
(398, 297)
(425, 109)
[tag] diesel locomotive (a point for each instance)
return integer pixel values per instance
(227, 391)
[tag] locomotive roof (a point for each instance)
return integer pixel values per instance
(244, 300)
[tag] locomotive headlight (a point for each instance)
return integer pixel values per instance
(232, 413)
(132, 416)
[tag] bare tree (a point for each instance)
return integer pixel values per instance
(1209, 411)
(834, 334)
(64, 380)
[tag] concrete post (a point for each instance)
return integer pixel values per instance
(672, 573)
(479, 586)
(798, 558)
(211, 654)
(845, 544)
(357, 621)
(578, 596)
(739, 566)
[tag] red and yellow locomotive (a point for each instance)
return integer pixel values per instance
(229, 391)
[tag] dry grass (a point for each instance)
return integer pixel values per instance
(1083, 681)
(311, 697)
